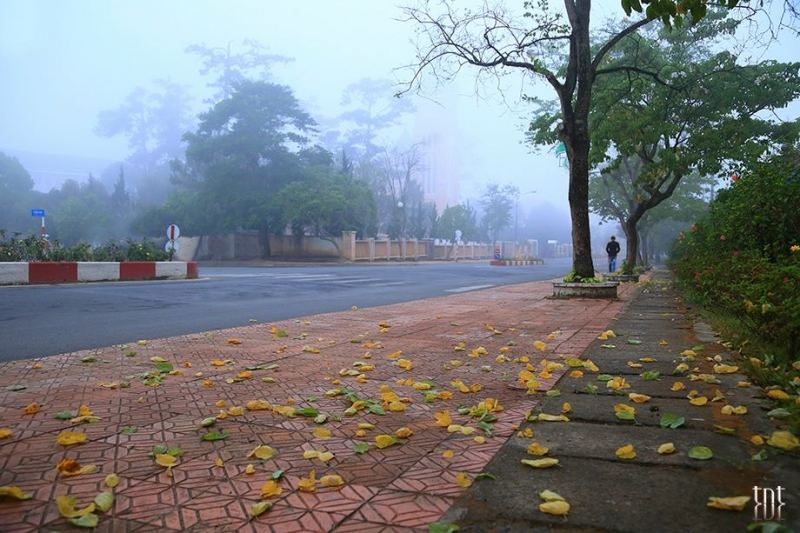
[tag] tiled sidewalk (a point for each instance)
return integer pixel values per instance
(401, 487)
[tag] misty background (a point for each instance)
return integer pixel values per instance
(81, 80)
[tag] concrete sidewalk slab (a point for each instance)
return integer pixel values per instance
(405, 486)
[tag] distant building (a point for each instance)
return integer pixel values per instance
(439, 168)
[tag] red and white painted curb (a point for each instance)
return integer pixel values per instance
(75, 271)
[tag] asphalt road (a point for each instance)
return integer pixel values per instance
(51, 319)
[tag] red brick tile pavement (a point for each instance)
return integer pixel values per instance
(401, 488)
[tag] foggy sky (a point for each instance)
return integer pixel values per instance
(63, 62)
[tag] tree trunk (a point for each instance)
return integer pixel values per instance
(579, 207)
(631, 246)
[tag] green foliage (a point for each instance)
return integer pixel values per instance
(743, 258)
(16, 194)
(573, 277)
(33, 248)
(458, 217)
(498, 204)
(326, 206)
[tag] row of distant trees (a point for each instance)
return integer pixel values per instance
(255, 159)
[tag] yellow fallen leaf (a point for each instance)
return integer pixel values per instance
(733, 503)
(576, 374)
(725, 369)
(259, 508)
(5, 433)
(526, 433)
(70, 467)
(219, 462)
(258, 405)
(448, 454)
(463, 480)
(783, 440)
(322, 433)
(557, 508)
(13, 491)
(622, 408)
(66, 507)
(551, 418)
(731, 410)
(539, 345)
(758, 440)
(691, 354)
(365, 425)
(166, 460)
(590, 366)
(647, 360)
(311, 349)
(308, 484)
(442, 418)
(405, 364)
(32, 408)
(777, 394)
(677, 386)
(566, 407)
(639, 398)
(666, 448)
(479, 439)
(681, 368)
(547, 462)
(384, 441)
(699, 401)
(236, 410)
(403, 433)
(112, 480)
(626, 452)
(208, 384)
(234, 341)
(331, 480)
(633, 364)
(270, 489)
(37, 366)
(68, 438)
(617, 383)
(245, 374)
(537, 449)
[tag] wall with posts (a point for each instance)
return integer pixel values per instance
(249, 245)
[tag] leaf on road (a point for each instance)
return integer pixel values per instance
(666, 448)
(535, 448)
(331, 480)
(701, 453)
(12, 491)
(626, 452)
(215, 435)
(783, 440)
(259, 508)
(270, 489)
(262, 452)
(557, 508)
(112, 480)
(638, 398)
(71, 467)
(546, 462)
(5, 433)
(68, 438)
(88, 521)
(384, 441)
(672, 421)
(732, 503)
(32, 408)
(104, 501)
(463, 480)
(699, 401)
(66, 507)
(322, 433)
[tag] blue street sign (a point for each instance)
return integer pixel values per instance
(37, 212)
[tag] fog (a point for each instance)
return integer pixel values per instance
(63, 63)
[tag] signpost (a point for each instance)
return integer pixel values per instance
(40, 213)
(173, 246)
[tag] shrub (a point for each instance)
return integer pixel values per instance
(34, 248)
(742, 258)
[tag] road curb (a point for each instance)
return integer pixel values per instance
(37, 273)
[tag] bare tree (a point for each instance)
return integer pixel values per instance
(498, 41)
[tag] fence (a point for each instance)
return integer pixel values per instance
(248, 245)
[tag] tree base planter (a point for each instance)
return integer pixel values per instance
(515, 262)
(621, 277)
(607, 289)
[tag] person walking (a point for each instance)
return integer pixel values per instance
(612, 249)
